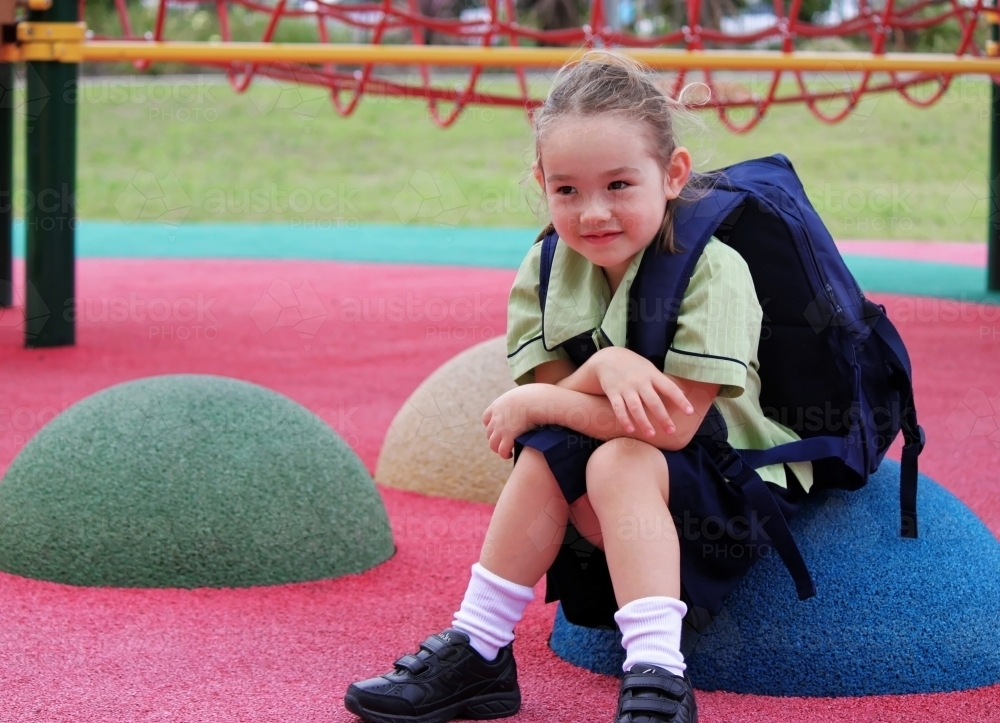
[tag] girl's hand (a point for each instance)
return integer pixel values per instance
(508, 417)
(634, 385)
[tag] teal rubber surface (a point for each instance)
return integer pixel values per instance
(461, 246)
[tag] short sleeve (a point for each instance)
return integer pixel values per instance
(718, 324)
(525, 347)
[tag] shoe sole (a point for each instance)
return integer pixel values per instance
(484, 707)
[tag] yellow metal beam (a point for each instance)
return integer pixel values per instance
(48, 41)
(506, 57)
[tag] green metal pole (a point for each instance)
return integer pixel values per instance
(50, 215)
(993, 249)
(6, 184)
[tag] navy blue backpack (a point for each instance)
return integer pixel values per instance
(833, 368)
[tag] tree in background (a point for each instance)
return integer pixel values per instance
(553, 14)
(667, 15)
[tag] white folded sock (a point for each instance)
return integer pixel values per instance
(491, 608)
(651, 632)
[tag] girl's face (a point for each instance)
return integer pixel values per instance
(607, 194)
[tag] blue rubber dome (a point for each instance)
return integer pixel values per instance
(892, 615)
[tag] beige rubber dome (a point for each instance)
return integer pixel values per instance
(437, 442)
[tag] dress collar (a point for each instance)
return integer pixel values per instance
(579, 299)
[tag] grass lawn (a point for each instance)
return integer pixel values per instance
(199, 151)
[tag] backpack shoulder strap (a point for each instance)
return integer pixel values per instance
(713, 435)
(581, 346)
(548, 253)
(663, 277)
(913, 434)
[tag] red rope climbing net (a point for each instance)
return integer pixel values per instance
(399, 21)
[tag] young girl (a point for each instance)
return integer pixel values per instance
(614, 493)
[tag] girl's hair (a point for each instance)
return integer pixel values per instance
(603, 81)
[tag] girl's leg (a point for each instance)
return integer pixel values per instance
(523, 538)
(628, 486)
(522, 541)
(528, 522)
(584, 519)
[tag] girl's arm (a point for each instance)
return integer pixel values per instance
(533, 405)
(635, 387)
(555, 372)
(563, 373)
(595, 416)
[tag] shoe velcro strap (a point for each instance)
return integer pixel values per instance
(412, 663)
(675, 688)
(664, 706)
(434, 644)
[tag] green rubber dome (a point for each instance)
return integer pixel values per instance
(189, 481)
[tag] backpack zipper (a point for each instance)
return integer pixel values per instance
(818, 274)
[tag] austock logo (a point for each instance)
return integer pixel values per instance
(976, 416)
(283, 306)
(426, 198)
(149, 198)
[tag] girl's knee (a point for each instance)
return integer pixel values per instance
(531, 462)
(615, 457)
(614, 453)
(532, 467)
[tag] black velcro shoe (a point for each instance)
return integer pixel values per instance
(651, 694)
(446, 679)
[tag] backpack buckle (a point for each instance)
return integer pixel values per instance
(919, 442)
(736, 471)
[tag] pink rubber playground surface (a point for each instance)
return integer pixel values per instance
(287, 653)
